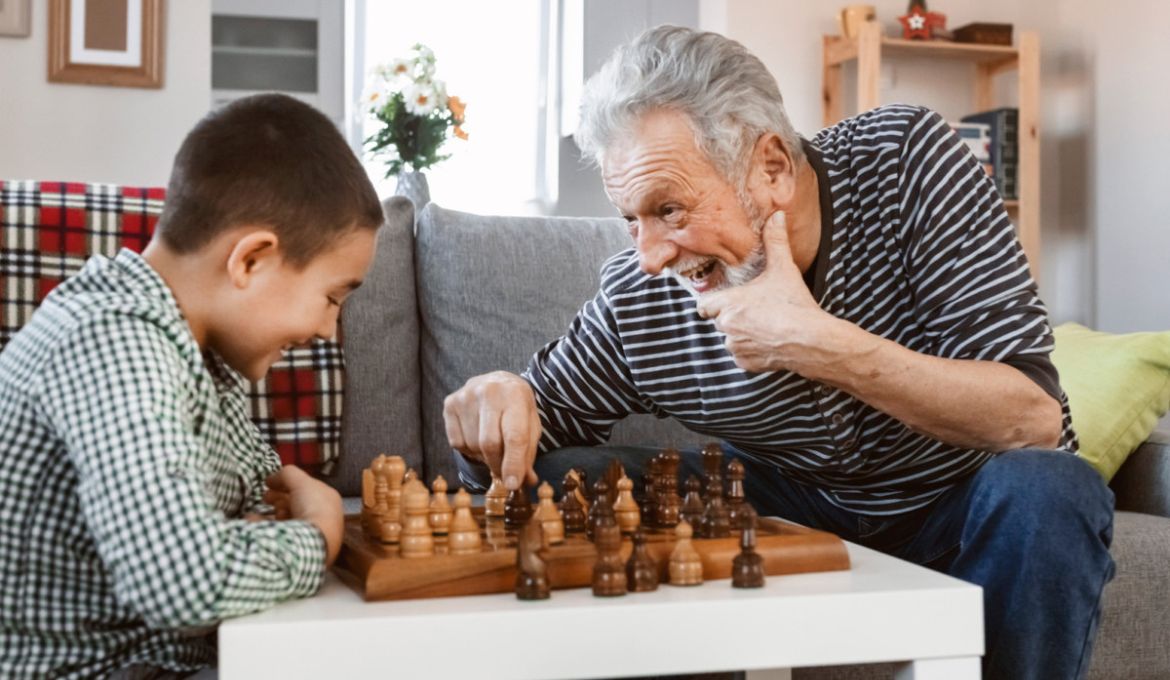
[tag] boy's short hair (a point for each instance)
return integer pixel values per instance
(269, 160)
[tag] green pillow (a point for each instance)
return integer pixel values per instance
(1118, 387)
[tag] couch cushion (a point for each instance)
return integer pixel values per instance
(492, 291)
(381, 356)
(1118, 387)
(49, 229)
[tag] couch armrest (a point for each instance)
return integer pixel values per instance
(1143, 482)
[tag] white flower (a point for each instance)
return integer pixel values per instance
(399, 68)
(423, 98)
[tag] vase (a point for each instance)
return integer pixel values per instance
(413, 185)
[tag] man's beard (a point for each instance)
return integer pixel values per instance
(737, 275)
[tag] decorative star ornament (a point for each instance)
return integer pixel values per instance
(918, 24)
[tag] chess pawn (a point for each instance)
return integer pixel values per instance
(747, 569)
(609, 572)
(716, 520)
(669, 502)
(641, 568)
(440, 513)
(735, 496)
(517, 508)
(600, 509)
(368, 502)
(531, 571)
(649, 507)
(416, 540)
(495, 498)
(625, 508)
(572, 513)
(549, 517)
(686, 566)
(391, 527)
(463, 537)
(693, 508)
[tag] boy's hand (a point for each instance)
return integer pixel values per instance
(296, 495)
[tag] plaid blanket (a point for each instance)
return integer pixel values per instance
(49, 229)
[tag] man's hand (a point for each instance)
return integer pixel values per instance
(296, 495)
(493, 418)
(772, 323)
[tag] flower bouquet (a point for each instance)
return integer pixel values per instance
(415, 111)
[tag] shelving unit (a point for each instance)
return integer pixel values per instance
(989, 61)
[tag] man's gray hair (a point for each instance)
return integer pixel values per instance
(729, 96)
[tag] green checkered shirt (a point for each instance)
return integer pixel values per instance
(127, 459)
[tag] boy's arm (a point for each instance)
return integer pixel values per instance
(117, 394)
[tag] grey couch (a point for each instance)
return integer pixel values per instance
(452, 295)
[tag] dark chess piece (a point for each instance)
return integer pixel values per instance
(716, 521)
(669, 502)
(641, 568)
(531, 571)
(586, 490)
(599, 510)
(735, 498)
(712, 459)
(571, 510)
(693, 508)
(747, 569)
(613, 472)
(609, 573)
(649, 505)
(518, 508)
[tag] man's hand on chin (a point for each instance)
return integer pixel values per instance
(773, 323)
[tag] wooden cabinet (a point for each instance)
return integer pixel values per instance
(988, 61)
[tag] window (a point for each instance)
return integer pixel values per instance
(493, 56)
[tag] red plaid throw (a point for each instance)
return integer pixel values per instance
(49, 229)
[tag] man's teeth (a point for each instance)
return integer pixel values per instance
(700, 272)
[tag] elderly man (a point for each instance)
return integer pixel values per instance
(852, 315)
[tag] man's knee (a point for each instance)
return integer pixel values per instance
(1047, 485)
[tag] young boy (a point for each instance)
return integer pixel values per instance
(130, 475)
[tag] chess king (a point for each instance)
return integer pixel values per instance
(850, 313)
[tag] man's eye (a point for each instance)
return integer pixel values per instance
(670, 212)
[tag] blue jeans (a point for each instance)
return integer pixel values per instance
(1031, 527)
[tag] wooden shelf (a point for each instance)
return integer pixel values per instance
(988, 61)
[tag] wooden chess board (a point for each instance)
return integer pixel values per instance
(377, 571)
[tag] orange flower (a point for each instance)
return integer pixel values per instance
(457, 107)
(459, 132)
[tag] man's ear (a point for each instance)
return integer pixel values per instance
(771, 173)
(252, 252)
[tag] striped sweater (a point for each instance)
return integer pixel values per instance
(916, 248)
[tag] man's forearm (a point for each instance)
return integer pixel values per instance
(974, 404)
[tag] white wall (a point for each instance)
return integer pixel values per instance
(51, 131)
(1104, 138)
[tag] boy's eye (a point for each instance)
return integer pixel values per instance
(333, 301)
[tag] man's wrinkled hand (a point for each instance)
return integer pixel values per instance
(493, 418)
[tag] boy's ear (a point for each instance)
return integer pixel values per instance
(772, 174)
(252, 252)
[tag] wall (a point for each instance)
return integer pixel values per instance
(102, 134)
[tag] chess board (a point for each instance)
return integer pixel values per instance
(378, 572)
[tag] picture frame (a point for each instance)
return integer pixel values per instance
(15, 18)
(106, 42)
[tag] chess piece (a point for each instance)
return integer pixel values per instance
(583, 488)
(494, 499)
(463, 534)
(669, 502)
(625, 508)
(572, 513)
(747, 569)
(686, 566)
(441, 513)
(735, 497)
(517, 508)
(613, 472)
(641, 568)
(369, 502)
(531, 571)
(549, 517)
(600, 509)
(410, 474)
(578, 482)
(391, 527)
(712, 458)
(693, 508)
(609, 572)
(716, 520)
(649, 505)
(416, 540)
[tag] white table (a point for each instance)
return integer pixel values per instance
(882, 610)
